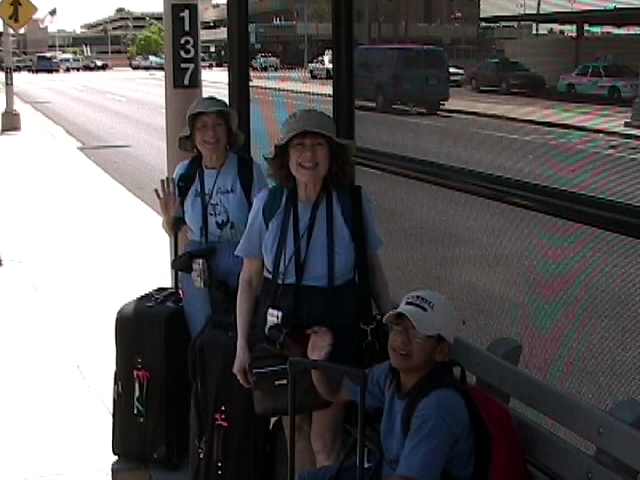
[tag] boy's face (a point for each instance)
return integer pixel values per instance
(410, 350)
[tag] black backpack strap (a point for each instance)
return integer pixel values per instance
(349, 204)
(187, 178)
(245, 174)
(441, 376)
(272, 204)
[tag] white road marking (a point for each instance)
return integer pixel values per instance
(116, 97)
(509, 135)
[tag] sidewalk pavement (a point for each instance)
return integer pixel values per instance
(75, 246)
(554, 114)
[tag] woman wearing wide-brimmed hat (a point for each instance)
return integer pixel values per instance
(215, 209)
(309, 235)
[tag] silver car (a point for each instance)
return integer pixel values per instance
(614, 81)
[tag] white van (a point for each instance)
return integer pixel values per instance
(69, 62)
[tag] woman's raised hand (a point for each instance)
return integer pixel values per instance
(167, 198)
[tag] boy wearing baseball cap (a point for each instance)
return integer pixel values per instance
(439, 443)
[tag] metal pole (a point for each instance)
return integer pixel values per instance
(306, 33)
(343, 46)
(238, 53)
(10, 117)
(109, 42)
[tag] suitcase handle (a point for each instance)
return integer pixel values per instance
(358, 377)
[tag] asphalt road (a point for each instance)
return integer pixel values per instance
(570, 293)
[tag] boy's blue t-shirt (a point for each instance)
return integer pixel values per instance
(440, 437)
(228, 210)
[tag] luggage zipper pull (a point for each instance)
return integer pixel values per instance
(202, 447)
(140, 380)
(220, 426)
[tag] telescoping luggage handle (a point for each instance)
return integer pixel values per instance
(356, 376)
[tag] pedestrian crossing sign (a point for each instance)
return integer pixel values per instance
(17, 13)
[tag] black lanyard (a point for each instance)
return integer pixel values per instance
(204, 201)
(291, 207)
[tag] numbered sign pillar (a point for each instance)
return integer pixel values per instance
(183, 82)
(182, 79)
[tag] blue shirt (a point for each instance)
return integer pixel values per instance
(227, 206)
(260, 242)
(440, 437)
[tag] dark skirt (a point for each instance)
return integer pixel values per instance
(304, 307)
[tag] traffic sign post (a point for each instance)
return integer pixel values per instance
(10, 117)
(15, 14)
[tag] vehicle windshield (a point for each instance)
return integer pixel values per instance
(513, 66)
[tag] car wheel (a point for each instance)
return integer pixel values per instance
(382, 104)
(571, 90)
(313, 75)
(432, 108)
(505, 87)
(614, 93)
(475, 86)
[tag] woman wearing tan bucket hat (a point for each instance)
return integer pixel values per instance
(210, 195)
(300, 273)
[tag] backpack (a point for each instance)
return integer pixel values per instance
(188, 177)
(276, 194)
(499, 454)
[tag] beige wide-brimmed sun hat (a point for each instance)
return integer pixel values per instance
(310, 121)
(209, 105)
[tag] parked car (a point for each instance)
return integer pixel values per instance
(614, 81)
(69, 62)
(264, 62)
(46, 63)
(456, 76)
(136, 63)
(322, 66)
(415, 75)
(22, 65)
(95, 64)
(507, 76)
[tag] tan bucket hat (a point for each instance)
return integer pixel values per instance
(311, 121)
(209, 105)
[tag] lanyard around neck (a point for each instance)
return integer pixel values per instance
(291, 208)
(205, 199)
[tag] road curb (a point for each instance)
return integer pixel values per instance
(543, 123)
(292, 90)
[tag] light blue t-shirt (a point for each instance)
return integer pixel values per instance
(440, 437)
(261, 243)
(227, 206)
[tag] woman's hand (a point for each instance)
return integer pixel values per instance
(320, 343)
(241, 367)
(167, 198)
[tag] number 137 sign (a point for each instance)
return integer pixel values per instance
(186, 45)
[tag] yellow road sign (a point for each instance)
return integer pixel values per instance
(17, 13)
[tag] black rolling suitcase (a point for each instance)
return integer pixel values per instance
(228, 441)
(151, 384)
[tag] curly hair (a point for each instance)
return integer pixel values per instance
(341, 167)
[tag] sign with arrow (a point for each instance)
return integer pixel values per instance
(17, 13)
